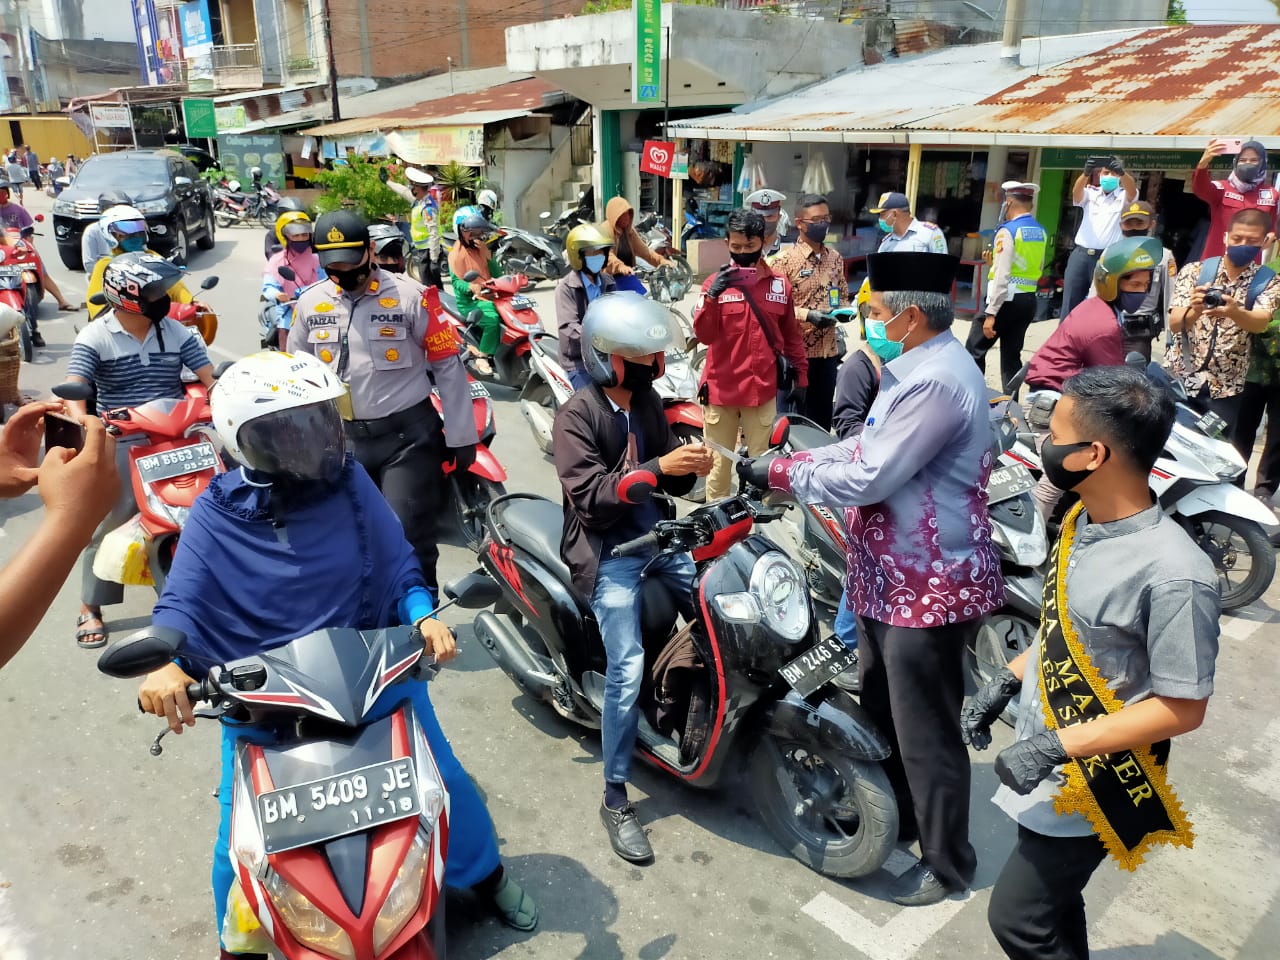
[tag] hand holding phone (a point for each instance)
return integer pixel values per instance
(1231, 144)
(63, 431)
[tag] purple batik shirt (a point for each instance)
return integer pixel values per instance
(913, 489)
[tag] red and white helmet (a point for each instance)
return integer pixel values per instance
(132, 280)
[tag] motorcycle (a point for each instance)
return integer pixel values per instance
(339, 828)
(531, 255)
(20, 286)
(173, 457)
(520, 321)
(232, 207)
(757, 692)
(1195, 482)
(558, 229)
(482, 483)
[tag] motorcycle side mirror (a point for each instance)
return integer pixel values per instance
(142, 652)
(63, 181)
(637, 487)
(545, 215)
(475, 591)
(182, 181)
(781, 432)
(287, 273)
(73, 390)
(471, 276)
(98, 300)
(474, 317)
(208, 283)
(1136, 360)
(39, 218)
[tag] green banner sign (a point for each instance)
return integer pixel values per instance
(1057, 158)
(200, 118)
(646, 70)
(240, 153)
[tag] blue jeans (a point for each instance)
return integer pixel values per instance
(1077, 278)
(846, 626)
(615, 601)
(473, 850)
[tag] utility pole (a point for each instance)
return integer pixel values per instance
(1011, 45)
(333, 64)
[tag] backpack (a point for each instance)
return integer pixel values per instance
(1209, 270)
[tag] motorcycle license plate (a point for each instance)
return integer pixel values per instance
(478, 391)
(826, 659)
(1211, 424)
(11, 270)
(521, 302)
(174, 463)
(1007, 482)
(322, 810)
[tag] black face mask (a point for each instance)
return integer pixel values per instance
(1247, 172)
(156, 310)
(746, 259)
(1052, 456)
(350, 280)
(1134, 233)
(638, 377)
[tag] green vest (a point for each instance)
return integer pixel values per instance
(1030, 246)
(421, 219)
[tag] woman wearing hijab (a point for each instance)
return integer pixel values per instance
(1245, 189)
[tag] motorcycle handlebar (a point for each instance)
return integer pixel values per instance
(638, 545)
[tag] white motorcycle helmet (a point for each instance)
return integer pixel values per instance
(487, 198)
(122, 221)
(277, 413)
(233, 186)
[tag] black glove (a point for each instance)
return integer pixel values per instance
(754, 472)
(464, 457)
(820, 320)
(1117, 166)
(984, 706)
(1089, 166)
(383, 175)
(1023, 765)
(796, 397)
(720, 282)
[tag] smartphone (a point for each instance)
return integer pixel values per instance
(62, 431)
(1232, 144)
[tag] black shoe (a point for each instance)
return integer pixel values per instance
(625, 833)
(919, 887)
(37, 340)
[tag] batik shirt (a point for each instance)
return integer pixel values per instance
(814, 276)
(913, 488)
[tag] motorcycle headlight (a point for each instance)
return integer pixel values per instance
(177, 515)
(64, 208)
(309, 925)
(784, 603)
(403, 898)
(739, 607)
(152, 206)
(1221, 465)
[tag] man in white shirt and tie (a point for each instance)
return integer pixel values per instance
(1102, 193)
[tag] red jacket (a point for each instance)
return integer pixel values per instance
(1089, 336)
(1225, 201)
(741, 370)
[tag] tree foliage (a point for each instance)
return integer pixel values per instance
(358, 184)
(1177, 15)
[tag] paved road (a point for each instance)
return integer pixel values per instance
(104, 850)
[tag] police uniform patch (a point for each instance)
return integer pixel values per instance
(388, 302)
(1173, 269)
(387, 332)
(392, 354)
(323, 308)
(326, 356)
(323, 335)
(373, 286)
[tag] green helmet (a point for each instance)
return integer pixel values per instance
(1125, 256)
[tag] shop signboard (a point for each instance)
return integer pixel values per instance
(238, 153)
(680, 167)
(200, 117)
(197, 44)
(438, 145)
(657, 157)
(646, 69)
(231, 119)
(111, 116)
(1059, 158)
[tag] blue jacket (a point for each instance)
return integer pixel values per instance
(239, 585)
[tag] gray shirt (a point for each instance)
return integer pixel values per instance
(1144, 600)
(393, 335)
(94, 245)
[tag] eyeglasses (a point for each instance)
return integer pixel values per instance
(825, 222)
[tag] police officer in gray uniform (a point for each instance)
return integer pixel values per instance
(380, 332)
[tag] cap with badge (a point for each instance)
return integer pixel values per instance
(919, 272)
(341, 236)
(765, 201)
(891, 201)
(1017, 188)
(1139, 209)
(421, 177)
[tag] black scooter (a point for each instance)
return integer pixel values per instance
(753, 688)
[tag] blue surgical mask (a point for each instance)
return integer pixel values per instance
(134, 243)
(878, 339)
(1108, 184)
(594, 262)
(884, 227)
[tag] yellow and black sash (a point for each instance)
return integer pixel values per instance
(1125, 794)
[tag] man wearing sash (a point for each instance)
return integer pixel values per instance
(1123, 662)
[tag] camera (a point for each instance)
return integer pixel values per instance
(1140, 325)
(1215, 297)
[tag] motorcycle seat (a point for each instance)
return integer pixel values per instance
(450, 303)
(535, 525)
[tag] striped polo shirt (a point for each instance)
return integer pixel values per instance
(128, 373)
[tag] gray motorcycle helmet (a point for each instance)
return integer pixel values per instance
(624, 325)
(383, 234)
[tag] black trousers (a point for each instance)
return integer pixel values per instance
(912, 686)
(428, 270)
(1077, 278)
(820, 398)
(1012, 321)
(1037, 905)
(405, 454)
(1254, 402)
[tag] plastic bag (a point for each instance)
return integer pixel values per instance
(122, 558)
(241, 931)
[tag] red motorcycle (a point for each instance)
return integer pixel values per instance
(172, 457)
(519, 320)
(20, 286)
(482, 483)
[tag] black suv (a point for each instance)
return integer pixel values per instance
(162, 184)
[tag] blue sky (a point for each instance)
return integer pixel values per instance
(1231, 11)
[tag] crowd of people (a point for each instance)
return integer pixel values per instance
(346, 460)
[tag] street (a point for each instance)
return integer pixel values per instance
(105, 850)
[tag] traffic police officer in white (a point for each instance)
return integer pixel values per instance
(904, 233)
(424, 223)
(379, 331)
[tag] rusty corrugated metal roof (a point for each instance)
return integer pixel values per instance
(1194, 82)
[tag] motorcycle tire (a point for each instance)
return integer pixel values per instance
(1001, 637)
(267, 216)
(848, 836)
(222, 218)
(690, 435)
(1204, 529)
(471, 498)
